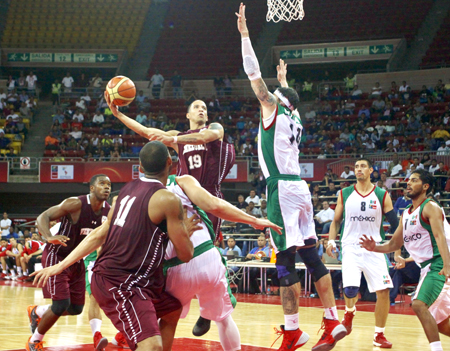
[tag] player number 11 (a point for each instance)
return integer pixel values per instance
(195, 161)
(125, 206)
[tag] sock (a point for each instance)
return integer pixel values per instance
(25, 274)
(19, 270)
(331, 313)
(436, 346)
(229, 336)
(36, 336)
(13, 273)
(4, 272)
(40, 310)
(291, 321)
(352, 309)
(378, 330)
(96, 324)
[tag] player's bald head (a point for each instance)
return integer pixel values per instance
(153, 157)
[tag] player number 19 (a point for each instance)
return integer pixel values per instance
(195, 161)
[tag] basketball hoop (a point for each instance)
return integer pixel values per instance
(284, 10)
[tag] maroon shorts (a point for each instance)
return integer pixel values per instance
(133, 312)
(70, 284)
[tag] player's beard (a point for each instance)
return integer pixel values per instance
(413, 194)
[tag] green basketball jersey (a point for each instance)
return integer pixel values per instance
(278, 143)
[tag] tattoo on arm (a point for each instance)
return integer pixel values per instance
(263, 93)
(180, 211)
(216, 126)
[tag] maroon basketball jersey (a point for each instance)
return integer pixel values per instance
(135, 246)
(208, 163)
(87, 222)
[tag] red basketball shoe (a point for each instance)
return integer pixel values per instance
(120, 341)
(347, 322)
(100, 342)
(381, 341)
(292, 339)
(333, 332)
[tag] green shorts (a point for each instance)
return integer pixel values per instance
(88, 265)
(431, 283)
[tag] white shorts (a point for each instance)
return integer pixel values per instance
(374, 265)
(204, 277)
(290, 207)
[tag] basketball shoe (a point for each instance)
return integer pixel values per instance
(34, 346)
(120, 341)
(381, 341)
(33, 317)
(292, 339)
(100, 342)
(333, 332)
(201, 327)
(348, 321)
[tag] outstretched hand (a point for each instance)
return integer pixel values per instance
(331, 251)
(241, 21)
(282, 72)
(41, 277)
(265, 223)
(367, 243)
(166, 140)
(191, 223)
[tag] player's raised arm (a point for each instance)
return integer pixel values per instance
(219, 207)
(335, 225)
(251, 67)
(281, 74)
(164, 205)
(70, 206)
(148, 133)
(214, 132)
(433, 213)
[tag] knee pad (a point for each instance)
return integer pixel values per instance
(60, 306)
(74, 310)
(351, 291)
(286, 268)
(313, 263)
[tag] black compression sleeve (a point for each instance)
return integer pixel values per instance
(392, 218)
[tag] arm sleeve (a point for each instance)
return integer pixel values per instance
(392, 218)
(251, 65)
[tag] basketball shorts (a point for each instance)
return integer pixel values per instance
(289, 206)
(133, 312)
(70, 284)
(434, 290)
(374, 265)
(205, 277)
(88, 265)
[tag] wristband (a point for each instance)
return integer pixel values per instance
(332, 243)
(175, 139)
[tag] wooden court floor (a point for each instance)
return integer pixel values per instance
(255, 320)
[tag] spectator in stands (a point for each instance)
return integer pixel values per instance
(356, 93)
(425, 95)
(82, 82)
(364, 111)
(21, 127)
(11, 83)
(393, 93)
(325, 217)
(98, 118)
(403, 88)
(115, 154)
(443, 150)
(31, 83)
(242, 204)
(253, 198)
(378, 105)
(440, 133)
(67, 82)
(259, 182)
(56, 92)
(349, 107)
(4, 142)
(263, 208)
(331, 191)
(252, 210)
(51, 143)
(23, 97)
(441, 176)
(350, 82)
(261, 250)
(157, 83)
(228, 85)
(13, 98)
(25, 111)
(413, 127)
(434, 166)
(32, 104)
(177, 85)
(426, 160)
(12, 233)
(401, 203)
(21, 82)
(96, 83)
(5, 224)
(375, 177)
(376, 91)
(81, 104)
(347, 173)
(145, 105)
(141, 118)
(87, 98)
(307, 89)
(140, 97)
(58, 116)
(246, 148)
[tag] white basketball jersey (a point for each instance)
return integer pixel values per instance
(362, 215)
(278, 142)
(418, 237)
(199, 236)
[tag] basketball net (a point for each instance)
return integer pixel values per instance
(284, 10)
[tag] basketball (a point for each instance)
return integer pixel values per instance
(121, 90)
(260, 254)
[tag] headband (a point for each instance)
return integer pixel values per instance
(284, 99)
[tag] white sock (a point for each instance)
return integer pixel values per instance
(96, 324)
(4, 272)
(378, 330)
(25, 274)
(19, 270)
(352, 309)
(13, 273)
(291, 321)
(40, 310)
(331, 313)
(229, 336)
(436, 346)
(36, 336)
